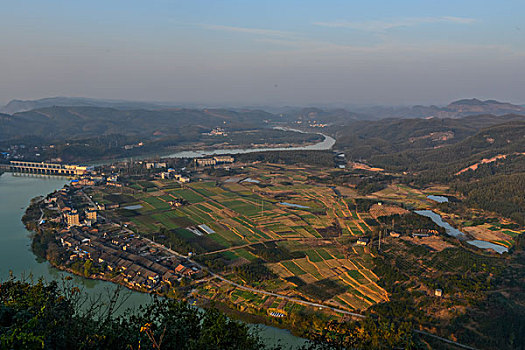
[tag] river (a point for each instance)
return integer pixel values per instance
(326, 144)
(454, 232)
(16, 257)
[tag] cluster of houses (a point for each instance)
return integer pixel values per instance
(214, 160)
(216, 132)
(172, 174)
(116, 251)
(119, 253)
(70, 216)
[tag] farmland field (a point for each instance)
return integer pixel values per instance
(285, 234)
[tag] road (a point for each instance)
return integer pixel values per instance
(254, 290)
(242, 246)
(299, 301)
(445, 340)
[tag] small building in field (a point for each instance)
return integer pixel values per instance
(181, 178)
(206, 229)
(395, 234)
(363, 241)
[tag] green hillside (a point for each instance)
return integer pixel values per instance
(58, 122)
(365, 139)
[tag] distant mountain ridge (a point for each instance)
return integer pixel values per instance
(456, 109)
(489, 106)
(17, 106)
(74, 122)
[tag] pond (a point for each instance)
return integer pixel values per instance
(439, 199)
(294, 205)
(133, 207)
(249, 179)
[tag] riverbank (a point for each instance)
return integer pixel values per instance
(255, 320)
(32, 223)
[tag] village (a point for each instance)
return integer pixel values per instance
(116, 252)
(112, 250)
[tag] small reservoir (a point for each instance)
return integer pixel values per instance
(294, 205)
(439, 199)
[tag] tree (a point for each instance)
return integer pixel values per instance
(46, 316)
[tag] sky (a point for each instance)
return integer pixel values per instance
(270, 52)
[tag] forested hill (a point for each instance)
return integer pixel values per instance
(505, 139)
(362, 140)
(487, 168)
(75, 122)
(456, 109)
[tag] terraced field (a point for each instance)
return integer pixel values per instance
(286, 223)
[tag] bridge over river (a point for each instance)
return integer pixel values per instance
(18, 166)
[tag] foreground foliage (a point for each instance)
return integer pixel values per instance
(52, 316)
(46, 316)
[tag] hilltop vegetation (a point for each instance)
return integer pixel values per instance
(49, 316)
(505, 139)
(504, 194)
(46, 316)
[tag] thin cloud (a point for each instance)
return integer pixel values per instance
(381, 26)
(255, 31)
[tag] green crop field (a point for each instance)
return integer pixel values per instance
(313, 256)
(293, 268)
(187, 194)
(156, 203)
(243, 207)
(324, 254)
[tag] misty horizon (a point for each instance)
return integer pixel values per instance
(274, 54)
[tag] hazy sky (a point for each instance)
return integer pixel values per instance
(264, 52)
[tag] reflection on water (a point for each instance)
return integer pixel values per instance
(451, 231)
